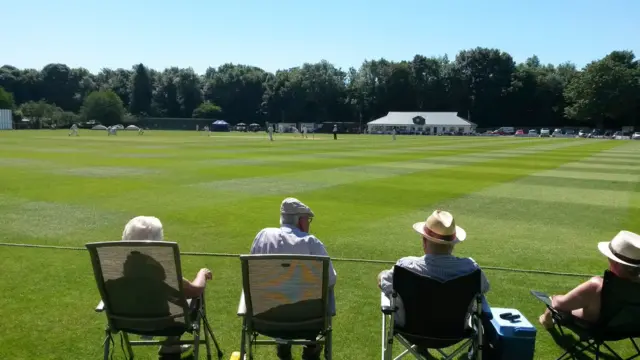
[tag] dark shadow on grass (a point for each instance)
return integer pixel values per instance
(567, 341)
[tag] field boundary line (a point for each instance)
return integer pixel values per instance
(353, 260)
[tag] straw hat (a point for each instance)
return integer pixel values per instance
(623, 249)
(440, 227)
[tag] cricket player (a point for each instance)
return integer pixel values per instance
(197, 127)
(304, 132)
(74, 130)
(393, 134)
(112, 130)
(208, 130)
(270, 131)
(140, 131)
(335, 132)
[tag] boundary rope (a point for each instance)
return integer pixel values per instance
(353, 260)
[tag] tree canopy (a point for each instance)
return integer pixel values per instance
(485, 84)
(103, 106)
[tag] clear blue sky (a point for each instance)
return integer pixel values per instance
(275, 34)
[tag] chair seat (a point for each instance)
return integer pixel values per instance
(432, 342)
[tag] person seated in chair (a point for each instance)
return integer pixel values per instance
(583, 302)
(142, 228)
(439, 236)
(292, 237)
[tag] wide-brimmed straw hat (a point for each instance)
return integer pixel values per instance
(624, 248)
(440, 227)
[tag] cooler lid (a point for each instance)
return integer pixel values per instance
(521, 328)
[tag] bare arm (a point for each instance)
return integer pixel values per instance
(195, 288)
(579, 297)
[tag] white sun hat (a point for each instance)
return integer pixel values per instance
(624, 248)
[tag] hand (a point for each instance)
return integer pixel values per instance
(207, 273)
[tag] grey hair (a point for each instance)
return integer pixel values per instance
(289, 219)
(143, 228)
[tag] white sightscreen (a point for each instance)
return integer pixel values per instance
(6, 119)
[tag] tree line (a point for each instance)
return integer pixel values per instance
(484, 84)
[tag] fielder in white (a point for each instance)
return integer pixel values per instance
(112, 130)
(270, 131)
(140, 131)
(74, 130)
(304, 132)
(393, 134)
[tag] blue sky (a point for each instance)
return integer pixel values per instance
(275, 34)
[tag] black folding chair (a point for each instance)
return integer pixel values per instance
(140, 283)
(619, 319)
(437, 315)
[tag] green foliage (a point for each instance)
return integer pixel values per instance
(484, 83)
(103, 106)
(141, 91)
(40, 113)
(207, 110)
(6, 99)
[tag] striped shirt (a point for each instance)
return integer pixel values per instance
(438, 267)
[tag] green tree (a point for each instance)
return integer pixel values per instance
(606, 93)
(6, 99)
(141, 91)
(103, 106)
(39, 112)
(207, 110)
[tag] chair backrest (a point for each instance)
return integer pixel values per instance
(286, 295)
(620, 308)
(436, 309)
(140, 283)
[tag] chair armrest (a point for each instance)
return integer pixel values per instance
(385, 304)
(100, 307)
(242, 308)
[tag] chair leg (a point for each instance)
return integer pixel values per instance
(107, 344)
(128, 344)
(612, 351)
(243, 340)
(196, 343)
(328, 345)
(207, 342)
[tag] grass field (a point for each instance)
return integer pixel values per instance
(525, 203)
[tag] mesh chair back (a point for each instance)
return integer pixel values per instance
(435, 309)
(140, 283)
(286, 295)
(620, 308)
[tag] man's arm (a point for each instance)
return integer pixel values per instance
(195, 288)
(579, 297)
(385, 281)
(317, 248)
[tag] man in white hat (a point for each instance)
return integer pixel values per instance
(292, 237)
(439, 235)
(584, 301)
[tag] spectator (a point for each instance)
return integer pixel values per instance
(292, 237)
(142, 228)
(584, 301)
(439, 236)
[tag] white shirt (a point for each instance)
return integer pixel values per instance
(291, 240)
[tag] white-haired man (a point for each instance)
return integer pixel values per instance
(142, 228)
(292, 237)
(439, 235)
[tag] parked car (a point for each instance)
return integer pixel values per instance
(533, 132)
(570, 132)
(635, 136)
(520, 132)
(582, 133)
(557, 132)
(594, 134)
(545, 133)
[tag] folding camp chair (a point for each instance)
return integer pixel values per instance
(619, 319)
(437, 315)
(285, 298)
(140, 283)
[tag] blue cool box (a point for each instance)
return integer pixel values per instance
(506, 340)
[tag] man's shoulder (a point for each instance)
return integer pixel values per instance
(409, 260)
